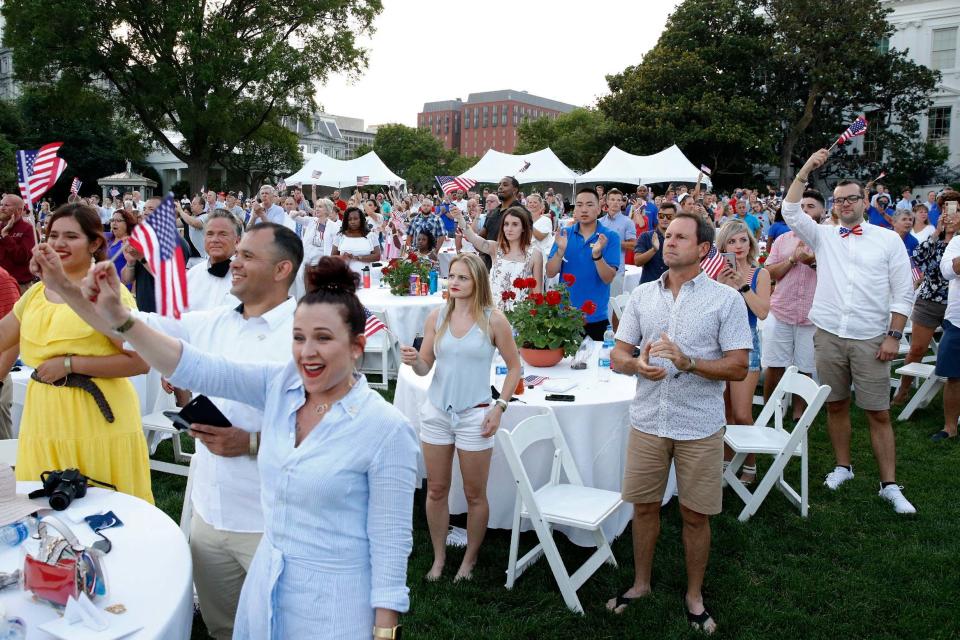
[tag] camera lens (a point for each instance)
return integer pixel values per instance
(62, 496)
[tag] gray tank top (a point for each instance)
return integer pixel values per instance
(461, 372)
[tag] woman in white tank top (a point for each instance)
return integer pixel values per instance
(460, 340)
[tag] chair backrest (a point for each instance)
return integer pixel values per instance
(528, 432)
(793, 382)
(615, 310)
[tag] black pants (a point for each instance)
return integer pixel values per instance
(595, 329)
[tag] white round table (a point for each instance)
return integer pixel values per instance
(631, 277)
(149, 570)
(595, 426)
(406, 315)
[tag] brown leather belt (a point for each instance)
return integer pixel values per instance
(86, 383)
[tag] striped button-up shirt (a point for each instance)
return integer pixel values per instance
(793, 295)
(705, 320)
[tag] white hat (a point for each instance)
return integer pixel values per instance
(13, 506)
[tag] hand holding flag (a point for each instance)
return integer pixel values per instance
(156, 239)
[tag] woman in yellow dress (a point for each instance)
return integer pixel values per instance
(63, 425)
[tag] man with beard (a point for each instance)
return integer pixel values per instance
(507, 191)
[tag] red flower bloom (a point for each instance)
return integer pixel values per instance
(513, 296)
(762, 259)
(519, 283)
(533, 313)
(412, 257)
(531, 283)
(393, 262)
(553, 298)
(569, 279)
(505, 295)
(537, 298)
(589, 307)
(386, 271)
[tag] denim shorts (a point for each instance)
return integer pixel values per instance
(755, 352)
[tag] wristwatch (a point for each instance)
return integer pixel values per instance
(502, 404)
(123, 328)
(896, 335)
(692, 366)
(388, 633)
(744, 288)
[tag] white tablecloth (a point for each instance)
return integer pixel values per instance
(152, 397)
(594, 425)
(406, 315)
(149, 570)
(631, 277)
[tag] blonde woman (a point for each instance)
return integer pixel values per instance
(514, 254)
(753, 282)
(458, 344)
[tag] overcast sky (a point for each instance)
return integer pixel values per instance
(426, 50)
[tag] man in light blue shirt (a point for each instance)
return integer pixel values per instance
(270, 211)
(624, 227)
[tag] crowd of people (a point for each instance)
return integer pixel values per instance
(302, 510)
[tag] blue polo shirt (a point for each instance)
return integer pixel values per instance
(578, 260)
(752, 222)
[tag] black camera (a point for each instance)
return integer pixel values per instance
(62, 487)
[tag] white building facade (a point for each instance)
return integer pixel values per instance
(930, 31)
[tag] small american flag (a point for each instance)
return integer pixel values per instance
(114, 192)
(373, 325)
(449, 184)
(156, 239)
(75, 186)
(705, 169)
(281, 186)
(362, 180)
(713, 263)
(38, 170)
(533, 381)
(526, 165)
(858, 128)
(316, 173)
(915, 270)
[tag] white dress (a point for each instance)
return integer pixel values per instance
(362, 246)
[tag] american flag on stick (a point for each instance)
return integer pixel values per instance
(281, 187)
(526, 165)
(156, 239)
(75, 186)
(858, 128)
(713, 263)
(38, 170)
(316, 174)
(705, 169)
(374, 324)
(915, 271)
(362, 180)
(449, 184)
(533, 380)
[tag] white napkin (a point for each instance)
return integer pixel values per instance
(558, 385)
(82, 611)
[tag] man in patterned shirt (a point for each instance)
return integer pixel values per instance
(693, 335)
(425, 221)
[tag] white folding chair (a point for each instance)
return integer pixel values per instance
(186, 512)
(157, 426)
(382, 344)
(8, 452)
(571, 505)
(776, 441)
(931, 386)
(617, 306)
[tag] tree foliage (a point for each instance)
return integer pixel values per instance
(579, 138)
(271, 150)
(214, 71)
(415, 155)
(744, 83)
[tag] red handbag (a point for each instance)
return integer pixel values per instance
(77, 570)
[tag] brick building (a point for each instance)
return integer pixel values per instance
(487, 120)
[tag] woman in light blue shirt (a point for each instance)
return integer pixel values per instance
(338, 464)
(458, 344)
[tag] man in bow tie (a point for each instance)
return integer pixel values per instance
(863, 297)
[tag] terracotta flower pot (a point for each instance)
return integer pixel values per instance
(542, 358)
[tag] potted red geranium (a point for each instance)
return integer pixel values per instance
(398, 271)
(548, 327)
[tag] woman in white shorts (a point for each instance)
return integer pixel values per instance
(460, 339)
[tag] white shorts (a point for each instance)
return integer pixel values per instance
(785, 345)
(462, 428)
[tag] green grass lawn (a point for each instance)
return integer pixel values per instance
(852, 569)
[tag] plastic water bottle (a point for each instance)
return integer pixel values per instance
(434, 281)
(13, 534)
(603, 363)
(499, 372)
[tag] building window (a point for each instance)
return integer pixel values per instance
(486, 117)
(944, 49)
(493, 120)
(883, 45)
(938, 125)
(871, 150)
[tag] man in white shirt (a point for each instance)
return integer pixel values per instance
(227, 517)
(195, 219)
(948, 353)
(137, 201)
(863, 297)
(209, 282)
(270, 211)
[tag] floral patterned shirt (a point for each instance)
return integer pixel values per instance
(503, 274)
(927, 258)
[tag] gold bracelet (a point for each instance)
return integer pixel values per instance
(68, 364)
(254, 444)
(803, 179)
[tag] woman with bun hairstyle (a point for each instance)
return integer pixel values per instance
(338, 463)
(458, 344)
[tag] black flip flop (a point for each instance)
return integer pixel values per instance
(941, 435)
(622, 601)
(699, 620)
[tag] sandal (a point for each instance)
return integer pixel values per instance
(623, 601)
(748, 471)
(699, 621)
(941, 435)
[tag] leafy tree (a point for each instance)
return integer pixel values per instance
(214, 71)
(580, 138)
(415, 155)
(271, 151)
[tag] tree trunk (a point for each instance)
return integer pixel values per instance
(197, 170)
(786, 153)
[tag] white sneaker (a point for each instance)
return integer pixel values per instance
(893, 494)
(837, 477)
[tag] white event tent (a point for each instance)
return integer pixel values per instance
(544, 166)
(344, 173)
(670, 165)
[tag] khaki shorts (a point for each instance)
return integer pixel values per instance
(699, 465)
(842, 361)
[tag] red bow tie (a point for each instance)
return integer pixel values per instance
(857, 231)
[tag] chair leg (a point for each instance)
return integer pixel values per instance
(927, 391)
(804, 480)
(556, 566)
(730, 475)
(773, 475)
(514, 544)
